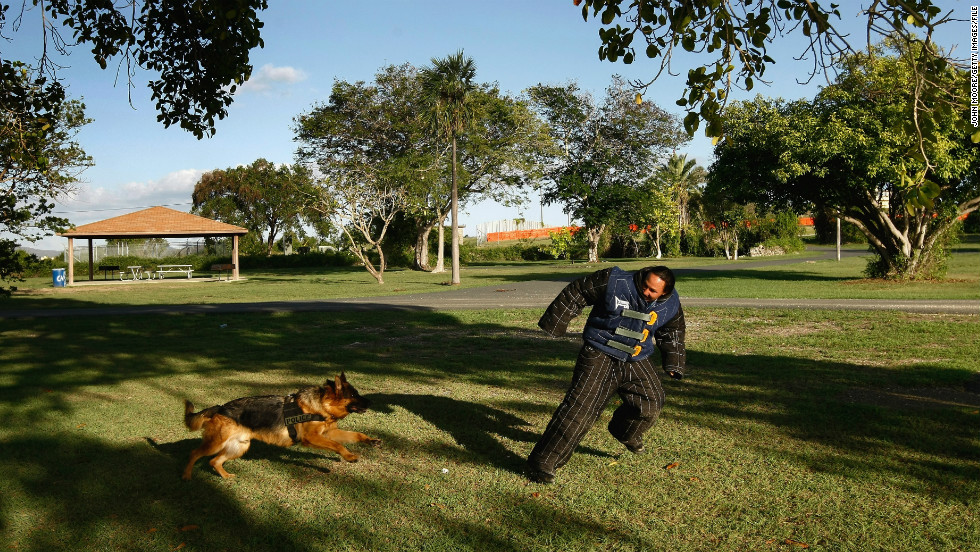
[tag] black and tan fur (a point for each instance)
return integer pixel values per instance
(230, 428)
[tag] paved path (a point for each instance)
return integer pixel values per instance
(533, 295)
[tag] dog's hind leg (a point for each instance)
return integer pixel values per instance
(207, 448)
(222, 437)
(234, 447)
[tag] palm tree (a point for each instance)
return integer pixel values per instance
(682, 177)
(447, 85)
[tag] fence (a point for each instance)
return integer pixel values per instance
(492, 231)
(151, 250)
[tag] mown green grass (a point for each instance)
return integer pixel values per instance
(835, 431)
(831, 430)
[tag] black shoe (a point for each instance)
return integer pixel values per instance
(540, 476)
(635, 449)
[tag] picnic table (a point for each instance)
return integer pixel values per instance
(162, 270)
(106, 269)
(226, 268)
(137, 272)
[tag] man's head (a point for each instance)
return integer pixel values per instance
(655, 282)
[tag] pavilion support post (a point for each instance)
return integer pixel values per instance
(71, 261)
(91, 261)
(234, 256)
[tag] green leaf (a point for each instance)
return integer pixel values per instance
(976, 137)
(688, 42)
(691, 123)
(930, 189)
(608, 15)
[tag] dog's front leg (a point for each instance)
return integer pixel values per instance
(321, 441)
(342, 436)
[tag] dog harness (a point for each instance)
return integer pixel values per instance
(293, 415)
(623, 323)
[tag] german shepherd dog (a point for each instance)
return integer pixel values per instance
(308, 417)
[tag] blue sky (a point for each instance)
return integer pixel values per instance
(311, 43)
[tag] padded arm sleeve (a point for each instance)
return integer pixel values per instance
(587, 290)
(670, 341)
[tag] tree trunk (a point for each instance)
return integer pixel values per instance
(593, 235)
(455, 211)
(659, 252)
(441, 249)
(422, 245)
(361, 254)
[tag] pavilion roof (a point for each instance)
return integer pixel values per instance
(155, 222)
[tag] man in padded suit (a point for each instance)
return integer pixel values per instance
(633, 313)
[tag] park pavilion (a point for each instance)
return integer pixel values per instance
(155, 222)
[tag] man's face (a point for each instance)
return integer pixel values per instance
(653, 288)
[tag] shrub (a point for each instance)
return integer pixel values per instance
(472, 254)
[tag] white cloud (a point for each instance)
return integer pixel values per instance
(270, 78)
(91, 204)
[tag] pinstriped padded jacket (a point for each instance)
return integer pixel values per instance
(594, 289)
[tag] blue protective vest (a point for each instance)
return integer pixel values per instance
(622, 325)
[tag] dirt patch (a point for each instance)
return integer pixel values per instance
(917, 398)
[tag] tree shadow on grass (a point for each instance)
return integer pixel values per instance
(77, 485)
(95, 496)
(828, 405)
(77, 493)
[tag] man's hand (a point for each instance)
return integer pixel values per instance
(675, 374)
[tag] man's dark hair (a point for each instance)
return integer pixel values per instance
(662, 272)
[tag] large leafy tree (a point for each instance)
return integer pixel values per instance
(501, 154)
(383, 124)
(733, 39)
(736, 37)
(363, 204)
(263, 197)
(606, 150)
(40, 160)
(373, 133)
(198, 51)
(448, 86)
(852, 151)
(654, 210)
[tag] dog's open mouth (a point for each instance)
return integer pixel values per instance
(357, 409)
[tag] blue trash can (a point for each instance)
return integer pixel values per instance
(58, 275)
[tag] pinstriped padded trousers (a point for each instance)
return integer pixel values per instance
(597, 376)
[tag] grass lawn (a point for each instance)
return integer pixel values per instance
(794, 429)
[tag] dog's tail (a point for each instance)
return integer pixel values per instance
(194, 420)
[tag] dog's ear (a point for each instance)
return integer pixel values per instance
(343, 377)
(339, 385)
